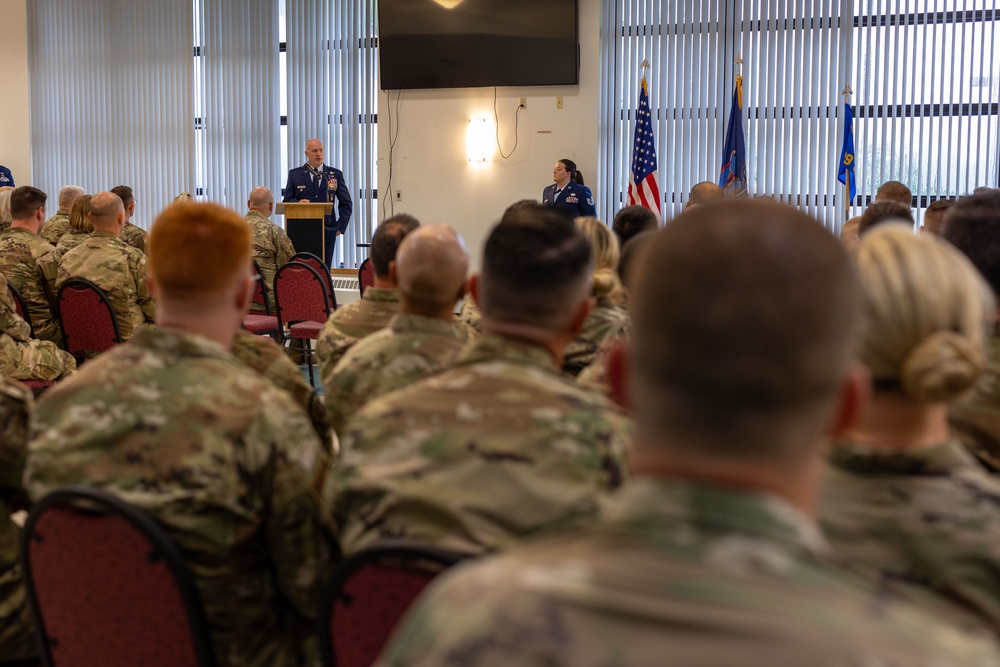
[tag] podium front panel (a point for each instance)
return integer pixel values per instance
(307, 235)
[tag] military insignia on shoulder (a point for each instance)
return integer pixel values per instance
(590, 200)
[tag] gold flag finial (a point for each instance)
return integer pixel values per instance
(847, 92)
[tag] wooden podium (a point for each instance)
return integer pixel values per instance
(304, 224)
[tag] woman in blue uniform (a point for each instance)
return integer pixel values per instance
(568, 191)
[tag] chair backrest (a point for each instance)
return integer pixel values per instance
(87, 319)
(259, 288)
(300, 294)
(324, 270)
(366, 275)
(20, 306)
(107, 586)
(369, 593)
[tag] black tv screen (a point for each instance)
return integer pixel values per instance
(473, 43)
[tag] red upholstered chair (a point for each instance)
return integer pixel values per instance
(20, 306)
(254, 322)
(318, 264)
(108, 587)
(366, 275)
(303, 306)
(369, 593)
(87, 319)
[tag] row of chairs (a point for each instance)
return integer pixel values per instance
(107, 586)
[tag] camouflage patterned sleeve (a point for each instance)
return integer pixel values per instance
(145, 300)
(48, 264)
(11, 323)
(283, 246)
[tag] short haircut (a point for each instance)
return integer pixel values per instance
(884, 211)
(973, 226)
(518, 205)
(606, 252)
(894, 191)
(124, 193)
(385, 242)
(633, 220)
(432, 265)
(198, 248)
(79, 215)
(536, 269)
(744, 320)
(5, 215)
(934, 215)
(68, 194)
(25, 200)
(926, 308)
(705, 192)
(104, 209)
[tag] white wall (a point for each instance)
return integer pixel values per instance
(15, 135)
(430, 166)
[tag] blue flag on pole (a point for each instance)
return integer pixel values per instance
(733, 176)
(845, 170)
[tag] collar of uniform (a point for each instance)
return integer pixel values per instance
(178, 343)
(517, 350)
(98, 233)
(256, 215)
(19, 230)
(381, 294)
(662, 506)
(945, 459)
(404, 323)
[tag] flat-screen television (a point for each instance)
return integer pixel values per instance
(474, 43)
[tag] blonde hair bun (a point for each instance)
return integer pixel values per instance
(941, 368)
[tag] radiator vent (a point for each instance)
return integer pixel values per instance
(346, 284)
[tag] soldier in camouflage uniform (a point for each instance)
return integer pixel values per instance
(117, 268)
(270, 360)
(30, 263)
(973, 226)
(131, 234)
(901, 496)
(58, 224)
(229, 465)
(17, 636)
(271, 247)
(80, 226)
(21, 356)
(421, 340)
(709, 556)
(500, 445)
(353, 321)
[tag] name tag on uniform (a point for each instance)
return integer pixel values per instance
(301, 187)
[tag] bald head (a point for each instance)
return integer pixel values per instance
(107, 212)
(314, 153)
(705, 193)
(431, 267)
(261, 200)
(67, 195)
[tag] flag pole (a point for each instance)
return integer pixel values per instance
(847, 92)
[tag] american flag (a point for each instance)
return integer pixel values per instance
(642, 186)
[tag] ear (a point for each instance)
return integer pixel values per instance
(581, 315)
(474, 288)
(244, 294)
(392, 272)
(154, 290)
(853, 397)
(617, 374)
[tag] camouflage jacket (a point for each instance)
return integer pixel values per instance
(70, 240)
(135, 236)
(929, 517)
(682, 574)
(21, 356)
(269, 359)
(975, 420)
(470, 315)
(54, 228)
(352, 322)
(17, 636)
(229, 465)
(605, 321)
(271, 249)
(119, 270)
(498, 447)
(409, 349)
(30, 264)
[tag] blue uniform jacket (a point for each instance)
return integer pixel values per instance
(6, 178)
(575, 198)
(302, 185)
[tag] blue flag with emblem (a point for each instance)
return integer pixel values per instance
(733, 176)
(845, 170)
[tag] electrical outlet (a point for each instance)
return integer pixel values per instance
(399, 195)
(559, 102)
(524, 102)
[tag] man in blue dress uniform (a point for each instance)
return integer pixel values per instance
(316, 182)
(6, 178)
(568, 192)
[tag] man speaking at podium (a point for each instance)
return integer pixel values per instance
(316, 182)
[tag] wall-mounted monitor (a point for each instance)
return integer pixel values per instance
(474, 43)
